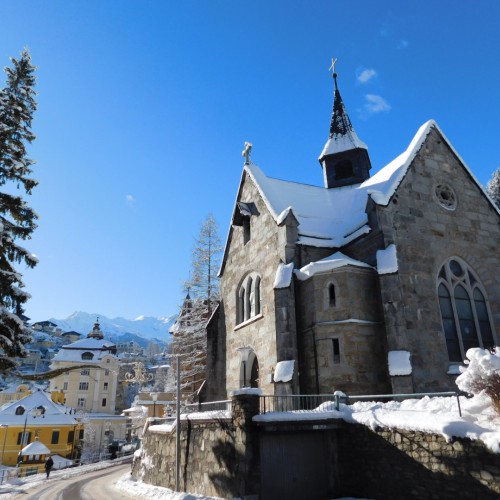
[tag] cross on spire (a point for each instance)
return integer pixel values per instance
(332, 69)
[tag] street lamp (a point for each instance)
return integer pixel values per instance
(35, 412)
(154, 397)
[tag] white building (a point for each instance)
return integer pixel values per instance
(92, 386)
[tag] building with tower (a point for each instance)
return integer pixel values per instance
(93, 388)
(367, 284)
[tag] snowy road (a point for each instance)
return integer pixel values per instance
(94, 485)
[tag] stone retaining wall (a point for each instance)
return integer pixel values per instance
(412, 465)
(219, 457)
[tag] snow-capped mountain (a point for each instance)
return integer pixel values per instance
(143, 326)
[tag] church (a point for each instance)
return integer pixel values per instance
(368, 284)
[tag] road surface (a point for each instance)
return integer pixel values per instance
(95, 485)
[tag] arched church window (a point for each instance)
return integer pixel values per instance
(464, 310)
(249, 298)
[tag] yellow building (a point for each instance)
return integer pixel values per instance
(13, 393)
(91, 389)
(37, 418)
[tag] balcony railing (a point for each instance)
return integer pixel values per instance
(210, 406)
(319, 402)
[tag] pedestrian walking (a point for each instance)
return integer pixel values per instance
(49, 463)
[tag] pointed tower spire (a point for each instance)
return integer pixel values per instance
(344, 158)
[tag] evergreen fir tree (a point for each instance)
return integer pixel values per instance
(17, 219)
(189, 332)
(493, 187)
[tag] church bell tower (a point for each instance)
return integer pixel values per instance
(344, 158)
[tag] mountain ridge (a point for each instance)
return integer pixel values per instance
(147, 327)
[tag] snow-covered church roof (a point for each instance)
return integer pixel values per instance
(334, 217)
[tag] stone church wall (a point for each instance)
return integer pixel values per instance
(261, 255)
(426, 235)
(355, 321)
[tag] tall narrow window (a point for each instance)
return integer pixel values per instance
(55, 437)
(246, 230)
(464, 310)
(450, 331)
(257, 295)
(241, 305)
(336, 351)
(24, 438)
(250, 300)
(331, 295)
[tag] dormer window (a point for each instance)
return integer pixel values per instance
(87, 356)
(242, 217)
(20, 410)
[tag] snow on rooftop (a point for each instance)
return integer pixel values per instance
(436, 415)
(35, 448)
(335, 261)
(73, 352)
(342, 142)
(284, 273)
(55, 413)
(326, 216)
(323, 214)
(399, 363)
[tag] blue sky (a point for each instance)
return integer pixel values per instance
(144, 107)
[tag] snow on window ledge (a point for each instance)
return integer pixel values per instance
(248, 321)
(455, 369)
